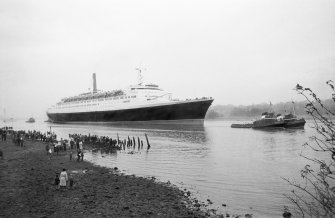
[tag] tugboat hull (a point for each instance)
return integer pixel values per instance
(30, 120)
(268, 123)
(295, 123)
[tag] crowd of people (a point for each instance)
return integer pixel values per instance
(101, 95)
(105, 141)
(75, 143)
(39, 136)
(19, 136)
(3, 134)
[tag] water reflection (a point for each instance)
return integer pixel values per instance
(269, 141)
(95, 155)
(183, 132)
(282, 144)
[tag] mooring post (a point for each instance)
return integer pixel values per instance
(147, 141)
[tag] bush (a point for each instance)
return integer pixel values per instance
(315, 196)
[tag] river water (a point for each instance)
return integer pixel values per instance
(241, 168)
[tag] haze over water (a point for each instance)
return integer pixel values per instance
(241, 168)
(238, 52)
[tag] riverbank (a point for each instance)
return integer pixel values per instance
(27, 188)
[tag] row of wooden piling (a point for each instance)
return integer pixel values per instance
(131, 143)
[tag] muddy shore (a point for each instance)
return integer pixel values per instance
(27, 188)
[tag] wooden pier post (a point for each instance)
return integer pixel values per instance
(147, 141)
(134, 142)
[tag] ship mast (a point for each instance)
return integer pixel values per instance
(293, 108)
(140, 77)
(270, 108)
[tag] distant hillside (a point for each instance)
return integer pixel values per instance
(255, 110)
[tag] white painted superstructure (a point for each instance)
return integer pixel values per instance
(134, 97)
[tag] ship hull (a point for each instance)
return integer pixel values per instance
(194, 110)
(295, 123)
(268, 123)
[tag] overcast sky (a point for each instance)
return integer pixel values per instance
(238, 52)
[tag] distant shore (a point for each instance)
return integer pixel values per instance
(27, 188)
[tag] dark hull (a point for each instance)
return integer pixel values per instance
(244, 125)
(295, 123)
(268, 123)
(180, 111)
(30, 120)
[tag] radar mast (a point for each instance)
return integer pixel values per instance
(140, 77)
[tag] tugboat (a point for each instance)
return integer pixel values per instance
(292, 121)
(30, 120)
(269, 120)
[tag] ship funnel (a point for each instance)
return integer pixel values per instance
(94, 83)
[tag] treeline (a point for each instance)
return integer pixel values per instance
(255, 110)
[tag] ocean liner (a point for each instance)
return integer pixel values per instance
(141, 102)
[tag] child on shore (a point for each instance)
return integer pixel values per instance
(78, 156)
(71, 181)
(56, 180)
(49, 153)
(47, 148)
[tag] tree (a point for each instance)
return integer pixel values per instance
(315, 196)
(213, 115)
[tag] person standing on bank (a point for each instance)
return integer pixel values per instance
(4, 135)
(71, 143)
(63, 178)
(77, 143)
(81, 145)
(78, 155)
